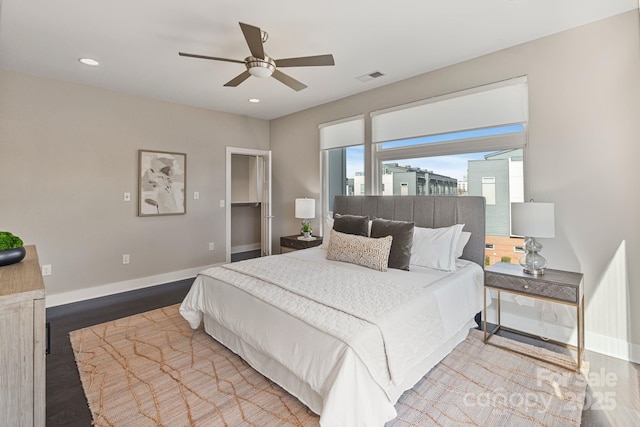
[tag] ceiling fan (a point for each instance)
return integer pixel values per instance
(259, 64)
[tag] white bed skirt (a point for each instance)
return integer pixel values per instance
(281, 375)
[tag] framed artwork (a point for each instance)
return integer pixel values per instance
(162, 183)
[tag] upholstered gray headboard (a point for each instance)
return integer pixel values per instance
(425, 211)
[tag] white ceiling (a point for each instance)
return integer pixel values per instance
(137, 42)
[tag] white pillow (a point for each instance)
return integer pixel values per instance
(462, 242)
(328, 226)
(436, 247)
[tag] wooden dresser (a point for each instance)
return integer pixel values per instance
(22, 343)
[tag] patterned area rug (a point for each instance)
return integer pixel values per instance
(151, 369)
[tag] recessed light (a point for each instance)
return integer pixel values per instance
(254, 100)
(88, 61)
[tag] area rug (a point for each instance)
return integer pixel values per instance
(152, 369)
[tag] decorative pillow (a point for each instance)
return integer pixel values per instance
(436, 247)
(351, 224)
(462, 242)
(360, 250)
(402, 233)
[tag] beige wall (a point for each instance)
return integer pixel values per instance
(583, 154)
(69, 152)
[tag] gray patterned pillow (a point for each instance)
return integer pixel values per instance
(360, 250)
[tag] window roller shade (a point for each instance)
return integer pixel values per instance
(344, 133)
(491, 105)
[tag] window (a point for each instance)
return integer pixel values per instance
(466, 143)
(342, 156)
(489, 189)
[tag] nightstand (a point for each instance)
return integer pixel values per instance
(296, 242)
(564, 287)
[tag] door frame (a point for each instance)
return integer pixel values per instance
(266, 211)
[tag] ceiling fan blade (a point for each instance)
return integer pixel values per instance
(238, 79)
(191, 55)
(288, 80)
(306, 61)
(253, 36)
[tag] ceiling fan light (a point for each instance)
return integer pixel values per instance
(260, 72)
(261, 68)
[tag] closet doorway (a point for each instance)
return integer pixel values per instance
(248, 203)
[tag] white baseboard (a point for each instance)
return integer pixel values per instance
(245, 248)
(53, 300)
(613, 347)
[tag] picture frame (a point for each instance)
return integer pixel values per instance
(162, 183)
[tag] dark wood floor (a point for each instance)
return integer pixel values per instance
(66, 403)
(613, 396)
(241, 256)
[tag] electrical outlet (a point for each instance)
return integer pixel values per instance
(46, 270)
(211, 246)
(125, 259)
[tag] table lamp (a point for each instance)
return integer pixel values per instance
(533, 220)
(305, 210)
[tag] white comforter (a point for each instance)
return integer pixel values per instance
(388, 323)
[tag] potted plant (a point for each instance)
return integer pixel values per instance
(306, 230)
(11, 249)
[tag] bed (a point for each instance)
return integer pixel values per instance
(348, 357)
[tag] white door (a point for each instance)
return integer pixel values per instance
(266, 204)
(263, 186)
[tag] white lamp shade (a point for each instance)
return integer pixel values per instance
(305, 208)
(533, 219)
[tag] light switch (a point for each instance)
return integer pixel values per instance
(127, 197)
(196, 195)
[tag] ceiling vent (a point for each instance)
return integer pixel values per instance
(370, 76)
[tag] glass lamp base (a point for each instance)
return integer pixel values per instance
(532, 262)
(533, 272)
